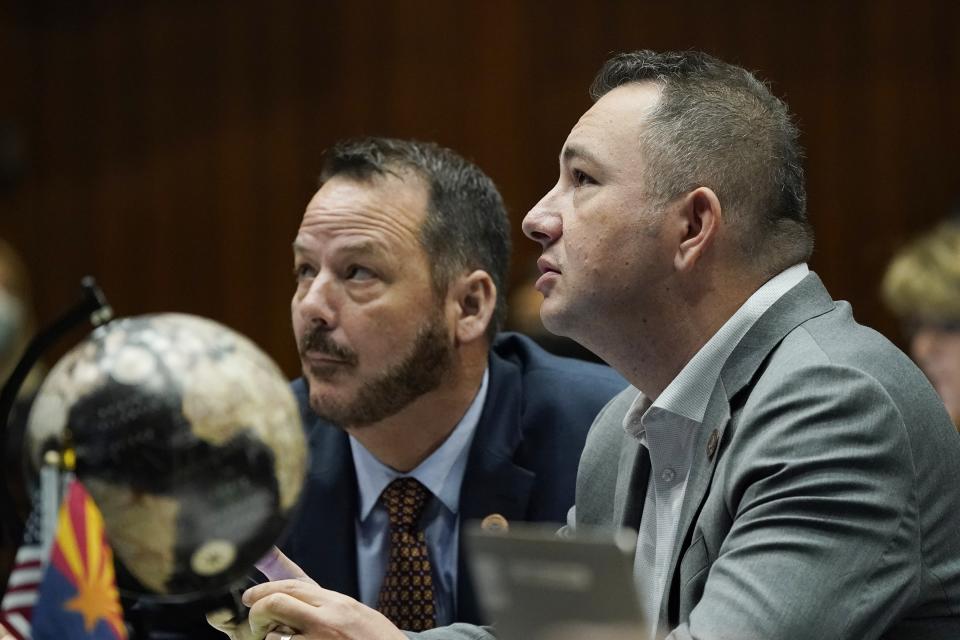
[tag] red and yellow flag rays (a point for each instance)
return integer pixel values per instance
(81, 553)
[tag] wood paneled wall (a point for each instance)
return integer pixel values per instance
(169, 146)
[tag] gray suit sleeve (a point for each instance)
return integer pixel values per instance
(824, 539)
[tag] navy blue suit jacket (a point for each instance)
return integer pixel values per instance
(522, 462)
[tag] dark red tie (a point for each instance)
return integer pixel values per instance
(406, 597)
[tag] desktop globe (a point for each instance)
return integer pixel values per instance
(189, 440)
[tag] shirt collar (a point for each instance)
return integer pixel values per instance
(688, 394)
(441, 473)
(633, 419)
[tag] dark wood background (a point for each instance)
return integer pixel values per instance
(169, 146)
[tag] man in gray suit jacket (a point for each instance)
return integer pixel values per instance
(791, 474)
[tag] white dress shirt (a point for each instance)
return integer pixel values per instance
(668, 428)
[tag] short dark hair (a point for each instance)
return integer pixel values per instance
(717, 125)
(466, 226)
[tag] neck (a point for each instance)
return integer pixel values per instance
(650, 346)
(407, 438)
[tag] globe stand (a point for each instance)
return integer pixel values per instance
(93, 308)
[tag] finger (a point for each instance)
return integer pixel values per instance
(219, 617)
(277, 566)
(223, 620)
(279, 609)
(308, 592)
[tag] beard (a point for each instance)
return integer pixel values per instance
(421, 370)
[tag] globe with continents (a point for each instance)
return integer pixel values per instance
(187, 437)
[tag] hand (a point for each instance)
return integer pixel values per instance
(223, 620)
(236, 629)
(293, 601)
(239, 628)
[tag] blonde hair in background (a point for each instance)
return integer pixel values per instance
(923, 280)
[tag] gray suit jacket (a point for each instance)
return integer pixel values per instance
(830, 507)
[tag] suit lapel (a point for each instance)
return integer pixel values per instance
(492, 483)
(632, 476)
(324, 540)
(806, 300)
(702, 467)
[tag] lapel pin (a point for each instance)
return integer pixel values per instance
(495, 523)
(712, 443)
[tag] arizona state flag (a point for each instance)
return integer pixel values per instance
(78, 597)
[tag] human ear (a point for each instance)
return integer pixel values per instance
(474, 298)
(701, 216)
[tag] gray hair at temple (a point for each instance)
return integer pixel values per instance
(718, 126)
(466, 225)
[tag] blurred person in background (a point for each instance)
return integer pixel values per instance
(16, 329)
(16, 317)
(922, 286)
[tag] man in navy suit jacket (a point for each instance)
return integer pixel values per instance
(521, 465)
(400, 263)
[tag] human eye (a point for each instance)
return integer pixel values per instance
(303, 271)
(581, 179)
(359, 273)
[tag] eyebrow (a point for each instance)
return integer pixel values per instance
(362, 247)
(572, 152)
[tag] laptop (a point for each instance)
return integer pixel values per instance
(535, 585)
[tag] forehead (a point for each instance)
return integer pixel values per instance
(611, 128)
(387, 209)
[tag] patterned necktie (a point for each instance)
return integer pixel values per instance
(406, 597)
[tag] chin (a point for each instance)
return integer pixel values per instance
(322, 400)
(554, 322)
(323, 389)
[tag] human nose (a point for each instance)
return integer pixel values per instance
(543, 223)
(317, 305)
(923, 346)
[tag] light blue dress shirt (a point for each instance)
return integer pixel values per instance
(441, 473)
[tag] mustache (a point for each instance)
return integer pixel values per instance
(318, 340)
